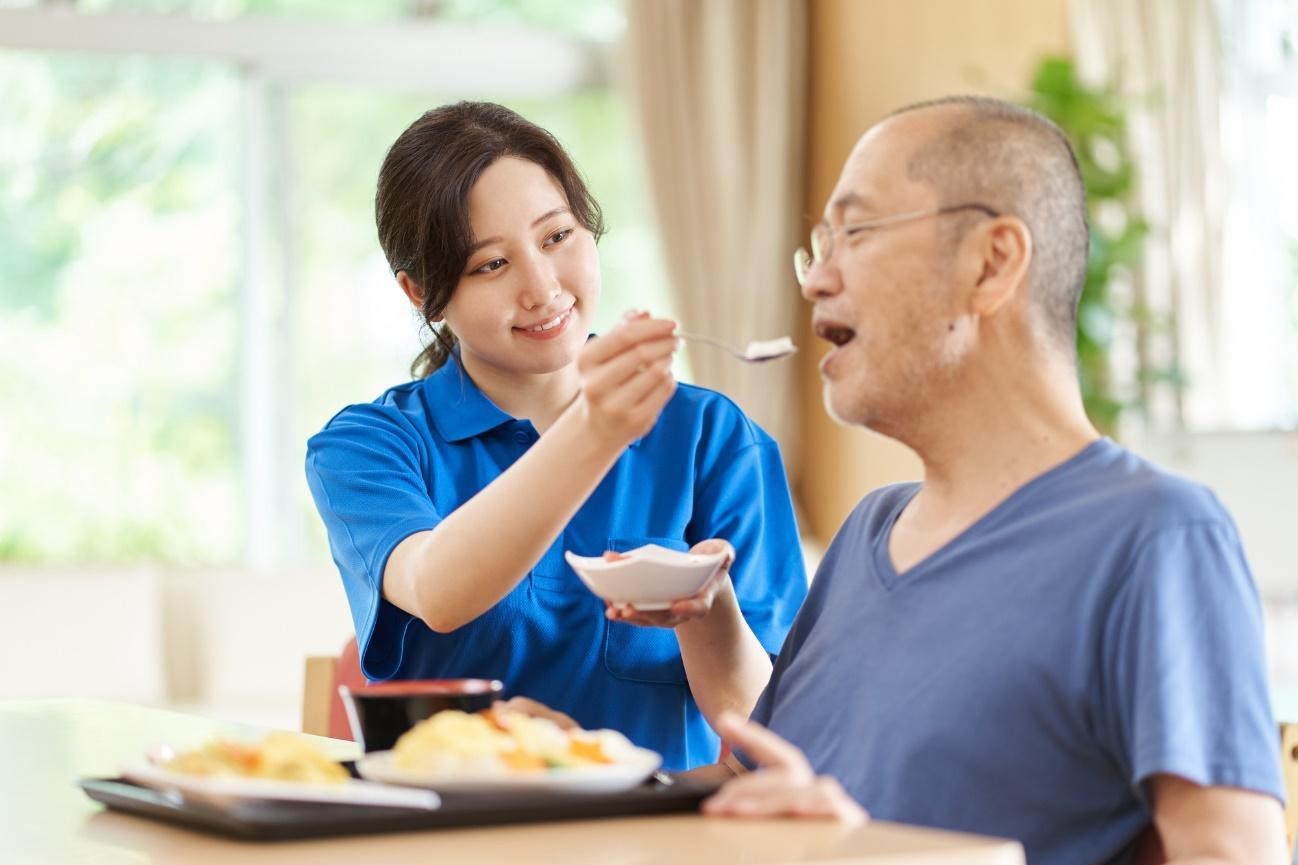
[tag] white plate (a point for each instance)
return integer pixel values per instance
(222, 790)
(648, 577)
(630, 772)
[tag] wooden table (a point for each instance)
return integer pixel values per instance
(45, 746)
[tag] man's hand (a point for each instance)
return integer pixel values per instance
(785, 785)
(696, 606)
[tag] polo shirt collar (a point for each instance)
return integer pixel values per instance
(461, 410)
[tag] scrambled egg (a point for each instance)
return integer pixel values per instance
(279, 757)
(495, 744)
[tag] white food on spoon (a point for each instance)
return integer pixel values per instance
(765, 348)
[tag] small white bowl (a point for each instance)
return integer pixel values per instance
(648, 577)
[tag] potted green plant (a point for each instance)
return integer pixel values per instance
(1094, 119)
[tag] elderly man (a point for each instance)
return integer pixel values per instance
(1049, 638)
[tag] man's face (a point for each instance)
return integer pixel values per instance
(884, 300)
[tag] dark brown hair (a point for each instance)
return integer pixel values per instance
(422, 203)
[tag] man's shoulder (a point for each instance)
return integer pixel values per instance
(1118, 484)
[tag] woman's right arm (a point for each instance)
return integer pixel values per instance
(450, 575)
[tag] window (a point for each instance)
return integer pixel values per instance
(190, 283)
(1258, 324)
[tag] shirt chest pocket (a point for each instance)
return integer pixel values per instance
(637, 654)
(552, 574)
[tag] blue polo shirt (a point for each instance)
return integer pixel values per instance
(381, 471)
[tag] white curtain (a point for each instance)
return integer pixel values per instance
(719, 90)
(1165, 57)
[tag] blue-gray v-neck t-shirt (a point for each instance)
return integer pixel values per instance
(1098, 627)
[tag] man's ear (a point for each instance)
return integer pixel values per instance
(413, 292)
(1004, 247)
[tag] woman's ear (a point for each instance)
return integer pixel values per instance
(411, 290)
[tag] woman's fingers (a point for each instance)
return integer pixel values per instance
(638, 389)
(528, 706)
(625, 335)
(644, 618)
(626, 376)
(607, 376)
(716, 545)
(682, 610)
(708, 592)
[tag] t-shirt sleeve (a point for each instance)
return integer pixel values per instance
(745, 500)
(365, 471)
(1185, 667)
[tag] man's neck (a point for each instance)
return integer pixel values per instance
(982, 442)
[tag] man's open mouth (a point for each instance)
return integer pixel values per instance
(835, 333)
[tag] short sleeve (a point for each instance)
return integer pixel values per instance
(1185, 681)
(744, 499)
(366, 474)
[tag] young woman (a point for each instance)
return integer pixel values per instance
(450, 500)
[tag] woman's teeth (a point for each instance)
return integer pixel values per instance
(549, 325)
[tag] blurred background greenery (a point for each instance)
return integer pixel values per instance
(120, 215)
(1094, 119)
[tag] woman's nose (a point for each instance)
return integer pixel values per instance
(540, 284)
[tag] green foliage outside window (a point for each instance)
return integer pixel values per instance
(117, 285)
(120, 267)
(1094, 119)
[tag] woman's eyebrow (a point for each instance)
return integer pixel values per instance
(542, 218)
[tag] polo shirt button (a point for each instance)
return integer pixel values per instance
(521, 436)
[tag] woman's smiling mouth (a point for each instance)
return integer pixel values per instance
(548, 329)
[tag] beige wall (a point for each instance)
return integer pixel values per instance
(868, 57)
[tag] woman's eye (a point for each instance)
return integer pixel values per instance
(558, 237)
(491, 266)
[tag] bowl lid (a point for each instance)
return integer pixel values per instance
(429, 687)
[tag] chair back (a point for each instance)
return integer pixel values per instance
(322, 708)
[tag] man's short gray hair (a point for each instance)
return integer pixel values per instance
(1020, 163)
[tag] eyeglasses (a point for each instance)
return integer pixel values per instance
(822, 236)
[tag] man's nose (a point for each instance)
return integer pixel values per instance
(823, 280)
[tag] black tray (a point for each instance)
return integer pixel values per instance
(280, 821)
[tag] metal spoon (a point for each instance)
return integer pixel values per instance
(758, 350)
